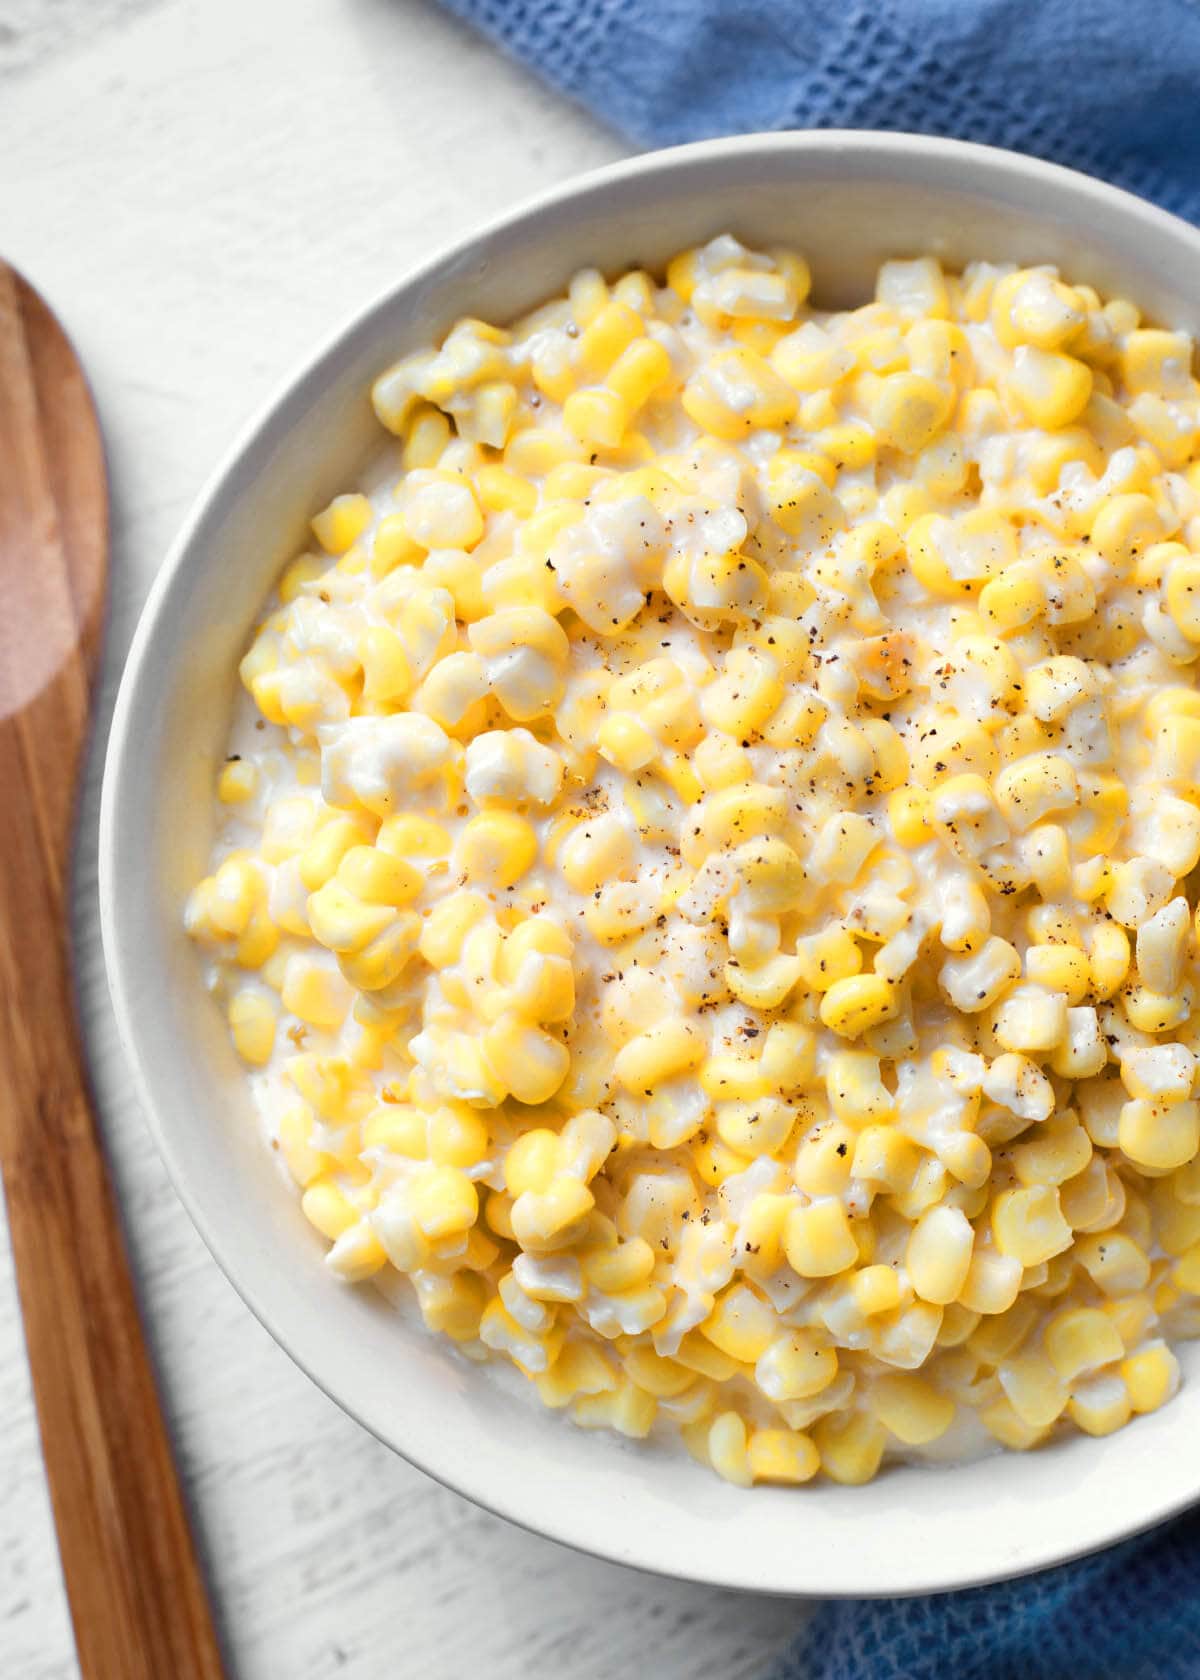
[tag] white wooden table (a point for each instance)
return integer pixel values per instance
(203, 188)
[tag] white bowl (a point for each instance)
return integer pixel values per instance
(846, 200)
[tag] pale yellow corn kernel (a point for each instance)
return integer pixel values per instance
(305, 569)
(782, 1455)
(662, 1052)
(377, 876)
(1114, 1262)
(911, 1408)
(614, 1271)
(1100, 1406)
(1059, 968)
(428, 435)
(398, 1129)
(343, 922)
(1151, 1376)
(766, 985)
(294, 1132)
(884, 1157)
(1028, 1224)
(855, 1088)
(726, 1446)
(598, 418)
(853, 1005)
(1080, 1340)
(741, 1324)
(444, 1201)
(938, 1255)
(640, 372)
(529, 1063)
(819, 1241)
(394, 545)
(457, 1137)
(1183, 597)
(328, 1207)
(314, 993)
(1123, 527)
(1033, 1388)
(1014, 598)
(1108, 958)
(907, 410)
(1158, 361)
(758, 1127)
(446, 927)
(320, 858)
(992, 1282)
(876, 1289)
(546, 1220)
(625, 742)
(1031, 1020)
(252, 1019)
(851, 1446)
(502, 491)
(495, 849)
(453, 1306)
(823, 1161)
(1159, 1135)
(341, 524)
(1050, 388)
(533, 1162)
(237, 782)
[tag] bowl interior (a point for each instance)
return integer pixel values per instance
(846, 201)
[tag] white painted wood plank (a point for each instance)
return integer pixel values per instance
(204, 188)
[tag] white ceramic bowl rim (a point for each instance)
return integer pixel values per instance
(622, 1533)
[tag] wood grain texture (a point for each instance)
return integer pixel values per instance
(136, 1591)
(211, 187)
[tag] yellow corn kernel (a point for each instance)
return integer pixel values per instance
(819, 1241)
(496, 848)
(252, 1018)
(852, 1006)
(596, 417)
(851, 1446)
(529, 1063)
(1100, 1405)
(782, 1455)
(341, 523)
(660, 1053)
(741, 1324)
(444, 1201)
(641, 370)
(1151, 1376)
(328, 1207)
(549, 1219)
(1034, 1388)
(320, 858)
(1052, 389)
(938, 1255)
(735, 391)
(907, 410)
(237, 782)
(1159, 1135)
(911, 1408)
(377, 876)
(1028, 1224)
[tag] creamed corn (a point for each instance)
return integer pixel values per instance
(706, 879)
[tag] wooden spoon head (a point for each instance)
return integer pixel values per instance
(53, 573)
(53, 516)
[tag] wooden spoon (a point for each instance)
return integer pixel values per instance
(132, 1574)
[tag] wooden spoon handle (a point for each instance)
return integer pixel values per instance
(133, 1578)
(132, 1574)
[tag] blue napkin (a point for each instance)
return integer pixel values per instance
(1111, 87)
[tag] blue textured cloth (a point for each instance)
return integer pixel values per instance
(1108, 86)
(1111, 87)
